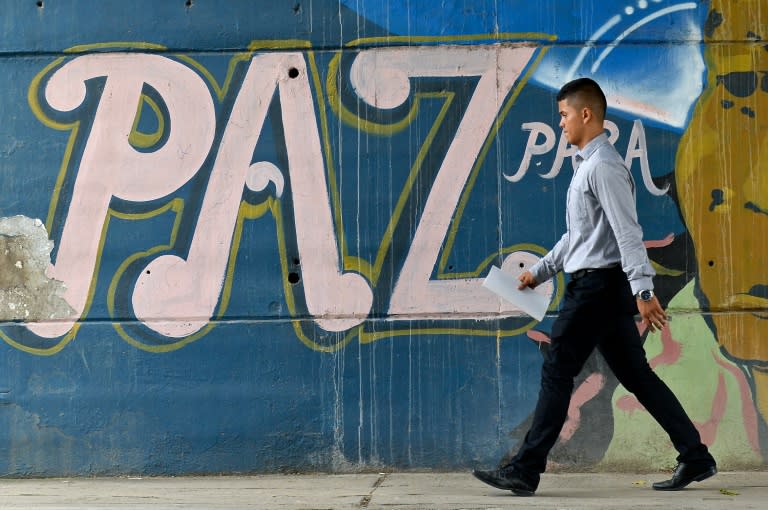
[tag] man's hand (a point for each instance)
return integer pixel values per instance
(652, 313)
(527, 280)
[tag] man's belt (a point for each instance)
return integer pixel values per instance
(583, 272)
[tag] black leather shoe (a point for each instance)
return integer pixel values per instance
(505, 479)
(685, 474)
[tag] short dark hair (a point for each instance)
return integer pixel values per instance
(585, 92)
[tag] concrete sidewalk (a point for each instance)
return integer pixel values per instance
(737, 490)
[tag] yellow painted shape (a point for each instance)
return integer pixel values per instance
(146, 140)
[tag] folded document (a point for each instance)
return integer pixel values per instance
(527, 300)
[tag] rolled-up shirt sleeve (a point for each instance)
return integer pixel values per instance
(614, 189)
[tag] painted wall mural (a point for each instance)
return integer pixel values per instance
(259, 244)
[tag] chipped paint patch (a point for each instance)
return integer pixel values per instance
(26, 293)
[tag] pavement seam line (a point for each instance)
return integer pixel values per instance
(367, 498)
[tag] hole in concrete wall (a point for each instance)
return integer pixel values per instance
(148, 271)
(711, 263)
(293, 278)
(297, 9)
(293, 72)
(39, 3)
(188, 3)
(296, 261)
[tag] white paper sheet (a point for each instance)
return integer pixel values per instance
(527, 300)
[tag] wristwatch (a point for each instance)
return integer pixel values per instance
(645, 295)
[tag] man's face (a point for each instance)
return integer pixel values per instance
(722, 183)
(571, 122)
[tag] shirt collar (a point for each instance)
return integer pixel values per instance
(592, 146)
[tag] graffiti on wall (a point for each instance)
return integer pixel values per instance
(378, 184)
(178, 295)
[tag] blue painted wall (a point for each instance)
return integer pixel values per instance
(273, 220)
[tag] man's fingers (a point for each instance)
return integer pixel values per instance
(654, 315)
(655, 323)
(526, 280)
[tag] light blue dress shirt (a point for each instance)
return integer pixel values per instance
(601, 220)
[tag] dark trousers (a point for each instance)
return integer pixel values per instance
(598, 311)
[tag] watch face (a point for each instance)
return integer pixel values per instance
(646, 295)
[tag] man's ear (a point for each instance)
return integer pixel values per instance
(586, 114)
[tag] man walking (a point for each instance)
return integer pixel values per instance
(611, 280)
